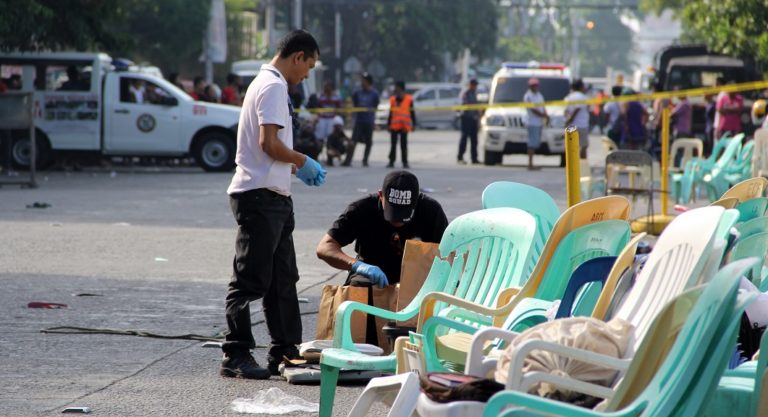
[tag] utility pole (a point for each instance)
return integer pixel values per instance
(270, 26)
(337, 44)
(297, 16)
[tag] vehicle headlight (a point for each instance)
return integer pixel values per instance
(495, 120)
(557, 121)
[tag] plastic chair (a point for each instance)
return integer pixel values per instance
(689, 147)
(589, 185)
(747, 189)
(492, 251)
(623, 262)
(687, 345)
(593, 271)
(760, 154)
(609, 145)
(751, 209)
(684, 185)
(728, 171)
(752, 227)
(638, 168)
(533, 200)
(612, 208)
(755, 245)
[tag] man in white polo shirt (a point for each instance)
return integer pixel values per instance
(578, 115)
(260, 198)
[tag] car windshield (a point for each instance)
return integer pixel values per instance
(512, 89)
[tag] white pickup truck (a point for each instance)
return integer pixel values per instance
(83, 105)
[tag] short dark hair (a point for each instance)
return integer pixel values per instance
(231, 78)
(198, 80)
(400, 84)
(577, 84)
(368, 77)
(298, 41)
(616, 90)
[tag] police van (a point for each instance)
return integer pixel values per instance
(82, 104)
(503, 130)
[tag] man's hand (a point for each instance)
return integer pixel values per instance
(311, 173)
(372, 272)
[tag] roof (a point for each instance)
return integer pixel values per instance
(706, 61)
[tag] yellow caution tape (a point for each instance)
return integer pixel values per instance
(693, 92)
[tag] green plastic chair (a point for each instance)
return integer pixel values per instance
(492, 250)
(724, 151)
(687, 374)
(752, 209)
(742, 170)
(752, 227)
(590, 229)
(714, 179)
(740, 390)
(531, 199)
(753, 246)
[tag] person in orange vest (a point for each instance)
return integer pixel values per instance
(402, 119)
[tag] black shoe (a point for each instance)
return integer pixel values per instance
(242, 366)
(405, 165)
(391, 165)
(365, 163)
(345, 164)
(475, 162)
(275, 358)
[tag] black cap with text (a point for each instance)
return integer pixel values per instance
(401, 192)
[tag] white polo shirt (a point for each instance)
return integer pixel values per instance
(265, 102)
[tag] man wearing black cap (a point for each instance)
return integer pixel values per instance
(379, 224)
(365, 97)
(470, 123)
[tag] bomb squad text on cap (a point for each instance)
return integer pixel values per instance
(401, 192)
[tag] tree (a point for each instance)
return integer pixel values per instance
(408, 37)
(30, 25)
(730, 27)
(166, 33)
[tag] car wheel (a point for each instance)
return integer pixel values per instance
(215, 152)
(21, 152)
(492, 158)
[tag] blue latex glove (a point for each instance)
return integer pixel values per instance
(312, 173)
(372, 272)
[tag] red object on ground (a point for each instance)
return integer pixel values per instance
(42, 304)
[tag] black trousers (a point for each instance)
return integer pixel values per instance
(403, 136)
(469, 127)
(264, 267)
(361, 133)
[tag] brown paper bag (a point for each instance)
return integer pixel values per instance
(417, 261)
(332, 297)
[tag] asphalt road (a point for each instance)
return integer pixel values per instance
(154, 247)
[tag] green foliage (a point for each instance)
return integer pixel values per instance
(407, 36)
(29, 25)
(167, 33)
(521, 49)
(731, 27)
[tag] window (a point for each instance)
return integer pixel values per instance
(512, 89)
(67, 78)
(139, 91)
(452, 92)
(427, 95)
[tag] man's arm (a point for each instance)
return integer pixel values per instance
(276, 149)
(329, 250)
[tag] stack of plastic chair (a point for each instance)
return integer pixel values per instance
(674, 373)
(492, 251)
(728, 171)
(587, 230)
(689, 147)
(681, 184)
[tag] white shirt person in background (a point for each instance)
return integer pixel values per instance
(536, 118)
(578, 115)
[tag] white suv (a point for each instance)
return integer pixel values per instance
(503, 130)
